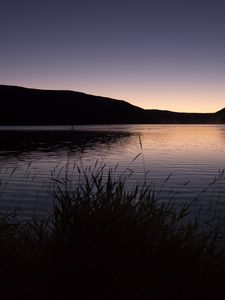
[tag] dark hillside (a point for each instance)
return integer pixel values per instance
(23, 106)
(30, 106)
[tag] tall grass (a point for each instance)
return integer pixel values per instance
(103, 241)
(127, 245)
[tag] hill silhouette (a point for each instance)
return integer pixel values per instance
(25, 106)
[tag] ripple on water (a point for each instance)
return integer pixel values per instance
(182, 160)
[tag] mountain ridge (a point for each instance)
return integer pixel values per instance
(29, 106)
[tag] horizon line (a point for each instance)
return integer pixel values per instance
(105, 96)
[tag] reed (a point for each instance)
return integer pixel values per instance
(103, 241)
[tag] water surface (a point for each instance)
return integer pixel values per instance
(181, 160)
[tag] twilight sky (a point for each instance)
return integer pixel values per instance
(164, 54)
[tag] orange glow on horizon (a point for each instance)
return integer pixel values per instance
(176, 101)
(201, 99)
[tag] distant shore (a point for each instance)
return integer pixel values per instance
(25, 106)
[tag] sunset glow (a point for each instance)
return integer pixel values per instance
(156, 55)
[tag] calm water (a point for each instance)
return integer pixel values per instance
(181, 160)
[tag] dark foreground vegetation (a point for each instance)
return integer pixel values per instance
(23, 106)
(105, 242)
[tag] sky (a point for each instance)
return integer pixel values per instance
(161, 54)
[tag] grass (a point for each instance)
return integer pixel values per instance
(103, 241)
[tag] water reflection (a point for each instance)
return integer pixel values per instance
(17, 143)
(191, 155)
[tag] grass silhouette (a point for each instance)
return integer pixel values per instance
(103, 241)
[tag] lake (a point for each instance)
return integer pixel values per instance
(181, 162)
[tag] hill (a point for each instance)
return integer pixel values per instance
(33, 106)
(25, 106)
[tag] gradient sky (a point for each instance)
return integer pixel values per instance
(161, 54)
